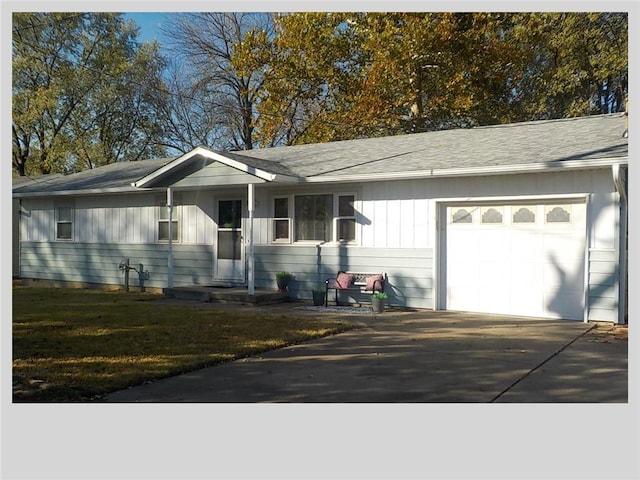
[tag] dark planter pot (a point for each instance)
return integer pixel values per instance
(283, 283)
(377, 305)
(318, 298)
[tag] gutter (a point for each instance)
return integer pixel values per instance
(136, 187)
(619, 180)
(619, 174)
(90, 191)
(472, 171)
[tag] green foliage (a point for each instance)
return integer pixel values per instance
(283, 275)
(83, 92)
(380, 295)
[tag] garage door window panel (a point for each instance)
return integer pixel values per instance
(523, 215)
(492, 215)
(462, 215)
(558, 214)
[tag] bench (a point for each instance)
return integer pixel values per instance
(354, 281)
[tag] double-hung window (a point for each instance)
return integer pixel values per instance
(346, 219)
(323, 217)
(163, 222)
(64, 222)
(281, 220)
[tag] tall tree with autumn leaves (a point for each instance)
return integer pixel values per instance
(348, 75)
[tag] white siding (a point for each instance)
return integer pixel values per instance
(603, 285)
(394, 216)
(409, 271)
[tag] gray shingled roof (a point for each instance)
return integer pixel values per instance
(550, 142)
(114, 176)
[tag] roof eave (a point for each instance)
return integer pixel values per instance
(472, 171)
(88, 191)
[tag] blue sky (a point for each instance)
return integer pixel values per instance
(149, 23)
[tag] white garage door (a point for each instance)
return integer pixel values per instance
(516, 259)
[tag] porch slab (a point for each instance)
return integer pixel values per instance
(226, 294)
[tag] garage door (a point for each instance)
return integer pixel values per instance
(517, 259)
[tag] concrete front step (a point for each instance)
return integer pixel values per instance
(218, 294)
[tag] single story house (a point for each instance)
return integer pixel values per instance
(520, 219)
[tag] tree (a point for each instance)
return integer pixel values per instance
(313, 80)
(578, 64)
(346, 75)
(218, 54)
(82, 88)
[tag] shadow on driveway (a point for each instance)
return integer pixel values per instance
(416, 357)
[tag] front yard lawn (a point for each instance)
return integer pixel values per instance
(77, 345)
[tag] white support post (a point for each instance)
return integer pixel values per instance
(250, 259)
(170, 250)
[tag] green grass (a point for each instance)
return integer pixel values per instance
(77, 345)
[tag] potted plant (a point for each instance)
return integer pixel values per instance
(378, 301)
(318, 296)
(282, 279)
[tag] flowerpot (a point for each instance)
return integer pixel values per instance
(283, 283)
(377, 305)
(318, 298)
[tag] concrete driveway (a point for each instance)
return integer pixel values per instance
(417, 357)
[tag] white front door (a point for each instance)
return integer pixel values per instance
(229, 262)
(519, 259)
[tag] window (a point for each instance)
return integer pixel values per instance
(64, 222)
(558, 214)
(492, 215)
(230, 230)
(524, 214)
(314, 217)
(346, 219)
(281, 220)
(163, 222)
(230, 214)
(461, 215)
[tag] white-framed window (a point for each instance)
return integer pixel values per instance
(163, 221)
(64, 221)
(345, 228)
(317, 217)
(313, 217)
(281, 220)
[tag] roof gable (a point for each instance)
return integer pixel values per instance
(200, 166)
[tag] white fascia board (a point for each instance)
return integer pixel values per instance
(205, 152)
(472, 171)
(88, 191)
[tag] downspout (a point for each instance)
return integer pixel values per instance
(620, 180)
(170, 249)
(250, 260)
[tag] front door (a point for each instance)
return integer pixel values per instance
(229, 265)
